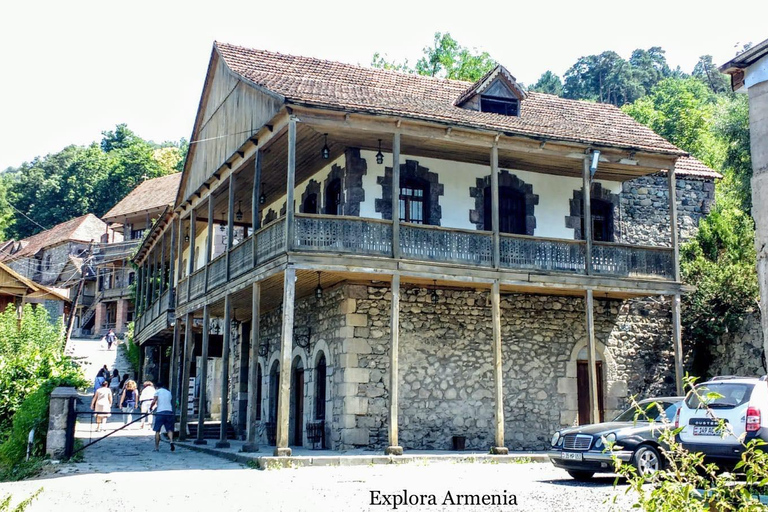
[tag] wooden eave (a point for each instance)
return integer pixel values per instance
(156, 231)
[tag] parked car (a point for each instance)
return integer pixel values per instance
(742, 402)
(582, 450)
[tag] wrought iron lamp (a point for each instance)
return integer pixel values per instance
(435, 297)
(264, 349)
(263, 196)
(234, 322)
(239, 212)
(186, 237)
(319, 289)
(326, 151)
(379, 155)
(303, 339)
(223, 226)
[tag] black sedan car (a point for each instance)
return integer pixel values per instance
(582, 450)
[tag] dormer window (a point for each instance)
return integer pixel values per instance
(497, 105)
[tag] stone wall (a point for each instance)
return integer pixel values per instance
(741, 352)
(645, 208)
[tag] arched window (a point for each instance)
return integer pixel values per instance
(320, 377)
(274, 387)
(511, 211)
(310, 204)
(333, 198)
(582, 386)
(258, 392)
(414, 195)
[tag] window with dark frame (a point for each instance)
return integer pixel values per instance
(497, 105)
(602, 221)
(310, 204)
(258, 392)
(511, 211)
(320, 389)
(413, 201)
(333, 198)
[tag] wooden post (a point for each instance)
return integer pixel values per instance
(678, 342)
(223, 443)
(184, 394)
(499, 448)
(162, 264)
(495, 204)
(255, 206)
(286, 345)
(594, 406)
(172, 264)
(290, 185)
(252, 441)
(586, 193)
(139, 289)
(394, 448)
(180, 251)
(152, 277)
(396, 199)
(209, 242)
(192, 236)
(203, 377)
(230, 221)
(173, 378)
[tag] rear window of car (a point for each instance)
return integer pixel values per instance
(732, 394)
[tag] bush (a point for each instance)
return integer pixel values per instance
(132, 352)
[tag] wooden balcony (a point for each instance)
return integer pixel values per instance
(363, 237)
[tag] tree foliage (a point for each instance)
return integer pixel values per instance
(446, 58)
(79, 180)
(548, 83)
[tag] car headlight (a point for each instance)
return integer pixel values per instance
(610, 438)
(555, 438)
(599, 442)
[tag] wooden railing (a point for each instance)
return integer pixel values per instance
(159, 307)
(542, 254)
(182, 290)
(352, 235)
(217, 271)
(430, 243)
(270, 240)
(632, 261)
(196, 283)
(241, 258)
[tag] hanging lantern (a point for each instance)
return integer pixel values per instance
(326, 151)
(379, 155)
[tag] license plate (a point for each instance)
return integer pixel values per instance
(704, 431)
(572, 456)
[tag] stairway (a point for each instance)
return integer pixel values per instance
(211, 430)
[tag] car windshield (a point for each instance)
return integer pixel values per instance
(720, 395)
(668, 409)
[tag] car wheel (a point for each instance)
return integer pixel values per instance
(581, 476)
(647, 460)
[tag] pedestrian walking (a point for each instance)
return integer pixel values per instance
(128, 400)
(125, 379)
(114, 385)
(101, 403)
(98, 380)
(162, 404)
(110, 338)
(145, 399)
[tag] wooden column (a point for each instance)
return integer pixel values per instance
(223, 443)
(255, 195)
(147, 289)
(290, 185)
(184, 384)
(139, 290)
(162, 264)
(594, 406)
(209, 242)
(252, 441)
(203, 373)
(394, 448)
(286, 345)
(676, 328)
(586, 193)
(192, 235)
(172, 267)
(678, 343)
(175, 366)
(396, 200)
(230, 222)
(499, 448)
(180, 250)
(155, 268)
(495, 204)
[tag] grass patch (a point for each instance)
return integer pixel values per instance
(22, 471)
(5, 503)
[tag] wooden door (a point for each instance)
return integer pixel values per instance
(582, 385)
(298, 397)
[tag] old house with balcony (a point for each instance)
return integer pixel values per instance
(410, 259)
(54, 258)
(112, 307)
(17, 290)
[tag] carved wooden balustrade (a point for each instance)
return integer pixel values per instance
(353, 235)
(542, 254)
(270, 240)
(241, 258)
(196, 283)
(430, 243)
(217, 271)
(632, 261)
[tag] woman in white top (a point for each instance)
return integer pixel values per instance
(147, 394)
(102, 404)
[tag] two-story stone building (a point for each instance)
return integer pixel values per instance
(410, 259)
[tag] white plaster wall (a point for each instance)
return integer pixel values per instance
(319, 176)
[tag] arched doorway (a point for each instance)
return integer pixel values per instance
(259, 378)
(582, 385)
(333, 198)
(321, 374)
(296, 428)
(511, 210)
(274, 389)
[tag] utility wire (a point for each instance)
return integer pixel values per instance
(26, 216)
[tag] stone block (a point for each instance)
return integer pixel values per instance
(347, 389)
(566, 385)
(356, 291)
(348, 360)
(568, 417)
(347, 306)
(617, 389)
(355, 436)
(348, 421)
(356, 346)
(355, 405)
(359, 375)
(357, 320)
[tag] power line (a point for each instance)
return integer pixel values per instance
(26, 216)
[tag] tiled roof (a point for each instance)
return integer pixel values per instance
(81, 229)
(150, 194)
(329, 84)
(690, 166)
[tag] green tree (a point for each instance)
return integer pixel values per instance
(446, 58)
(650, 67)
(706, 71)
(548, 83)
(731, 127)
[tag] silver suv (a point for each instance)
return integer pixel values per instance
(742, 403)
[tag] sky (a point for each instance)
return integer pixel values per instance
(74, 69)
